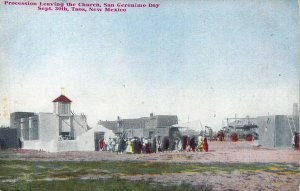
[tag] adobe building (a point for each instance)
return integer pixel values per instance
(274, 131)
(8, 138)
(277, 131)
(154, 125)
(60, 130)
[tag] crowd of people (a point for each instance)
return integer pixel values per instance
(155, 145)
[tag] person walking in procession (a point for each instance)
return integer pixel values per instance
(101, 144)
(129, 146)
(205, 145)
(200, 144)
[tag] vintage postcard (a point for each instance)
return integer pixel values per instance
(149, 95)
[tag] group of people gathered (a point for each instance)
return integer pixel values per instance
(155, 145)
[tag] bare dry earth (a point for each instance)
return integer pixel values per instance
(240, 152)
(223, 152)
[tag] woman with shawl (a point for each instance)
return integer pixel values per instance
(147, 146)
(205, 145)
(101, 144)
(158, 144)
(200, 144)
(192, 144)
(129, 147)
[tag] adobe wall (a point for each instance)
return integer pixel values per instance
(48, 127)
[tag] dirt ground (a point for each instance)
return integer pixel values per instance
(223, 152)
(228, 152)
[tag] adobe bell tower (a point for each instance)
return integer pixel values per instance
(62, 106)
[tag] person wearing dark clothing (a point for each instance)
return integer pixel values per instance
(140, 147)
(184, 142)
(296, 141)
(195, 143)
(122, 145)
(153, 146)
(192, 144)
(20, 144)
(135, 146)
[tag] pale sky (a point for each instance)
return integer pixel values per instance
(200, 60)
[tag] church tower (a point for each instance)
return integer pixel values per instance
(62, 106)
